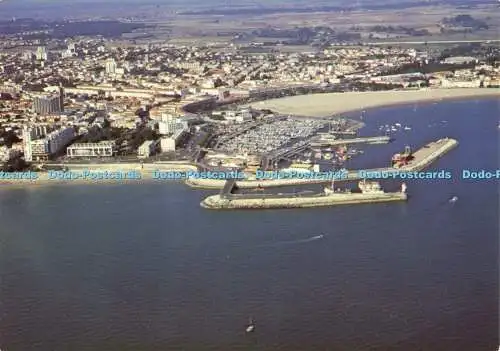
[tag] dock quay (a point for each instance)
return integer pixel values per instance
(426, 155)
(422, 158)
(370, 140)
(346, 132)
(178, 166)
(228, 188)
(269, 160)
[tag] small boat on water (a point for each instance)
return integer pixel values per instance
(407, 128)
(251, 326)
(454, 199)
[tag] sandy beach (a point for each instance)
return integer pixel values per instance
(43, 180)
(132, 174)
(323, 105)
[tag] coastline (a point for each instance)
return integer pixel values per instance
(145, 173)
(315, 105)
(328, 104)
(43, 181)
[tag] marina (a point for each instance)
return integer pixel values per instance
(272, 136)
(421, 159)
(277, 139)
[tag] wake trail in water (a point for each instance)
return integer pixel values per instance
(449, 202)
(294, 242)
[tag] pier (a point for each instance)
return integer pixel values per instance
(369, 140)
(215, 202)
(347, 132)
(303, 199)
(228, 189)
(268, 161)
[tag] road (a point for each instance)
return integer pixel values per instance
(435, 42)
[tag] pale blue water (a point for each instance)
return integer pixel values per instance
(143, 267)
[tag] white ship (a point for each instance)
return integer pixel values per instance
(331, 190)
(366, 187)
(303, 168)
(370, 187)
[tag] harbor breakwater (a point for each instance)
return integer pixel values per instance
(218, 202)
(422, 158)
(430, 153)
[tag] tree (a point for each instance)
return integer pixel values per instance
(10, 138)
(15, 165)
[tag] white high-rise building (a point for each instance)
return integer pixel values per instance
(41, 53)
(49, 144)
(167, 124)
(28, 151)
(60, 138)
(170, 124)
(47, 105)
(110, 67)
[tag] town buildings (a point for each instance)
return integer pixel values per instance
(170, 86)
(101, 149)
